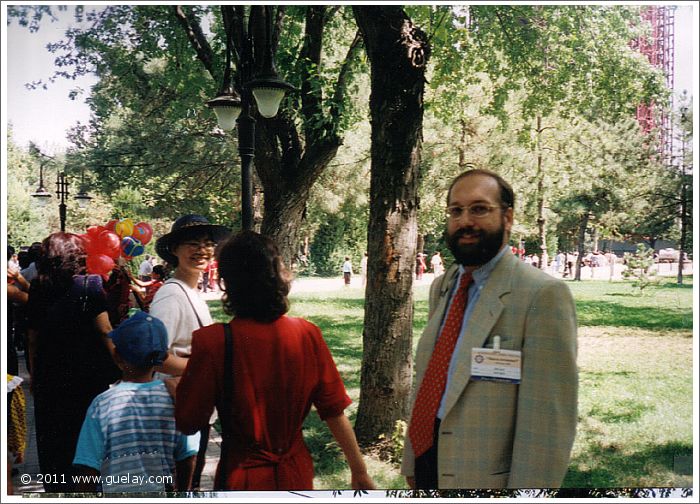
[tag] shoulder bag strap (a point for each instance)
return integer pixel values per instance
(199, 321)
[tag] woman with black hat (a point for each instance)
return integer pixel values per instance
(188, 247)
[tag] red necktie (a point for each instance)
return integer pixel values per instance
(433, 386)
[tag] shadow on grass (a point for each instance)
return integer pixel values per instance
(607, 466)
(622, 411)
(605, 313)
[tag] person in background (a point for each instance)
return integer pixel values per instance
(17, 297)
(146, 291)
(436, 263)
(118, 289)
(30, 272)
(281, 366)
(70, 354)
(12, 260)
(130, 428)
(347, 271)
(189, 247)
(146, 268)
(483, 417)
(213, 274)
(206, 277)
(420, 265)
(16, 426)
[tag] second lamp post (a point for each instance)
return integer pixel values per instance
(265, 88)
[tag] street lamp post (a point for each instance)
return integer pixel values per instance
(42, 196)
(62, 192)
(266, 89)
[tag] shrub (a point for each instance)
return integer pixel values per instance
(639, 267)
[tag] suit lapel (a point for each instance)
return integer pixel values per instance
(430, 333)
(485, 315)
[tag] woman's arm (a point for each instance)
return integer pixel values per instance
(19, 279)
(173, 365)
(103, 326)
(342, 432)
(32, 338)
(17, 295)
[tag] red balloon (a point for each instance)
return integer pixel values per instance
(87, 242)
(94, 231)
(99, 264)
(143, 232)
(110, 226)
(109, 244)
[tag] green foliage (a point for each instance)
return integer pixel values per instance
(25, 222)
(639, 267)
(341, 234)
(395, 443)
(153, 150)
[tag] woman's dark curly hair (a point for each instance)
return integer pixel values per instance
(253, 277)
(62, 256)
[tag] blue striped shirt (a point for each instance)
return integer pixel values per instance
(130, 429)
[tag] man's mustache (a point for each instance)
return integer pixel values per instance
(466, 231)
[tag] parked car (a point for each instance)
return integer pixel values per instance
(670, 255)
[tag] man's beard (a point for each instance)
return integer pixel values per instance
(475, 254)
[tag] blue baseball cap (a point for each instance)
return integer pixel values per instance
(141, 340)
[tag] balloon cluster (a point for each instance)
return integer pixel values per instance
(119, 237)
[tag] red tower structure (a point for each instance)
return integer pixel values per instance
(658, 48)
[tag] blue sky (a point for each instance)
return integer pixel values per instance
(45, 115)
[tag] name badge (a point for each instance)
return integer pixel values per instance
(496, 365)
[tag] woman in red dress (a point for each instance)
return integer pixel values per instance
(281, 367)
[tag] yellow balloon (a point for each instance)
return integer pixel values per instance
(124, 227)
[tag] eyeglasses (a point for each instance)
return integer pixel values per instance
(475, 210)
(194, 245)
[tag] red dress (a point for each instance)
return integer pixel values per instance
(280, 369)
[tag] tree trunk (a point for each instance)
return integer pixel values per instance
(684, 218)
(287, 163)
(282, 221)
(596, 237)
(462, 150)
(541, 221)
(581, 242)
(398, 54)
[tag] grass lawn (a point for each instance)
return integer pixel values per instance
(636, 386)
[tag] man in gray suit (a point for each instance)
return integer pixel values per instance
(495, 401)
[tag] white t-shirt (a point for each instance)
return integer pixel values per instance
(146, 268)
(170, 305)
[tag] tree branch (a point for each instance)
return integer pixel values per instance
(311, 94)
(197, 39)
(342, 82)
(277, 28)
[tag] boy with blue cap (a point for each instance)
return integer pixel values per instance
(128, 440)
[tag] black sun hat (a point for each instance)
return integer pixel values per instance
(185, 227)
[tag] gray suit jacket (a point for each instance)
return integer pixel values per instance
(501, 435)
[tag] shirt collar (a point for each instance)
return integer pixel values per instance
(482, 273)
